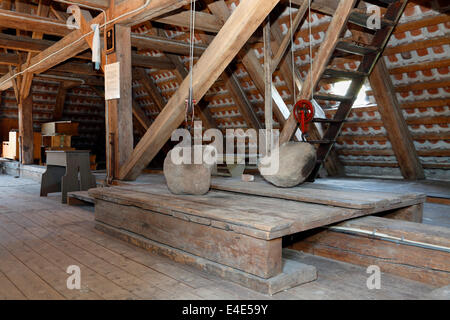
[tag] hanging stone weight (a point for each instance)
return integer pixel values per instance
(188, 178)
(296, 162)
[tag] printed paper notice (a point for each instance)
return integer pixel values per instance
(112, 81)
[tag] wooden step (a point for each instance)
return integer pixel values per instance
(335, 73)
(327, 120)
(383, 3)
(331, 97)
(353, 48)
(360, 18)
(321, 141)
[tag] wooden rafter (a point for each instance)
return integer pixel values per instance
(394, 123)
(149, 87)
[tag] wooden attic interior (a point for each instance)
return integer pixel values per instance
(385, 94)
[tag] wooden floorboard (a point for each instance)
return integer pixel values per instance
(8, 290)
(40, 238)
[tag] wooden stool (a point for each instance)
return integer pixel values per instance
(67, 171)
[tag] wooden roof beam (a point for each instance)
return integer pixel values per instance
(28, 22)
(164, 44)
(72, 43)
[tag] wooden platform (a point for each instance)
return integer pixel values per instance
(40, 238)
(236, 228)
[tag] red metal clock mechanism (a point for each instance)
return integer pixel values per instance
(304, 113)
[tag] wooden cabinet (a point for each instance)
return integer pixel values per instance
(11, 150)
(57, 142)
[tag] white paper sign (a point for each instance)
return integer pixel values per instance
(112, 81)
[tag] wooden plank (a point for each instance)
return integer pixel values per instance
(162, 43)
(203, 21)
(258, 257)
(244, 21)
(8, 291)
(198, 209)
(52, 274)
(426, 265)
(99, 278)
(356, 199)
(33, 23)
(394, 122)
(30, 284)
(82, 196)
(320, 63)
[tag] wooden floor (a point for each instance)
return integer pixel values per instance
(40, 238)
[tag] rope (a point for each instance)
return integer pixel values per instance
(190, 103)
(310, 50)
(292, 53)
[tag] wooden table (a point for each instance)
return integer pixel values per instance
(67, 171)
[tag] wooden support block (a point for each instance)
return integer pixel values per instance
(412, 213)
(26, 129)
(255, 256)
(429, 264)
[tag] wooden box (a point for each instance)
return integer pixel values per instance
(6, 151)
(61, 141)
(11, 147)
(60, 128)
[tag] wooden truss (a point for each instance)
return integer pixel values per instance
(233, 33)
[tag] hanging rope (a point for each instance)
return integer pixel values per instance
(190, 102)
(310, 50)
(292, 53)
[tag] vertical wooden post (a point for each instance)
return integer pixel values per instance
(26, 129)
(120, 111)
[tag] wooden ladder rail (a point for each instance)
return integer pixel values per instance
(370, 54)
